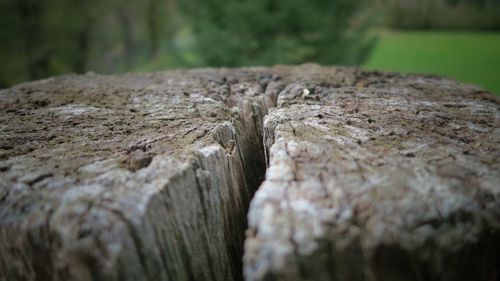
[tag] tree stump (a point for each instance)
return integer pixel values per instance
(370, 176)
(378, 177)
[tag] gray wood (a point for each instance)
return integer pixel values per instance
(134, 177)
(378, 177)
(371, 176)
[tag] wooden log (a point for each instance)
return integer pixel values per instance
(378, 177)
(371, 176)
(135, 177)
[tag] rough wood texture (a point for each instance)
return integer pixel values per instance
(371, 176)
(137, 177)
(378, 177)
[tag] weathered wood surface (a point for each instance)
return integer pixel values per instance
(387, 178)
(371, 176)
(136, 177)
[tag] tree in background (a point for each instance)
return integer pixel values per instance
(161, 24)
(41, 38)
(50, 37)
(263, 32)
(23, 38)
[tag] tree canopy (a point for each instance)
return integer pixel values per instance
(262, 32)
(43, 38)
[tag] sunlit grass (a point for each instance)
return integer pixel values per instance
(465, 56)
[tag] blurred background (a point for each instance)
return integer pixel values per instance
(455, 38)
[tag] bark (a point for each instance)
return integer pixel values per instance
(371, 176)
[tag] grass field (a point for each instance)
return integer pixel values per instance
(467, 57)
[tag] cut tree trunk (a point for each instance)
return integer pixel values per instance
(137, 177)
(371, 176)
(378, 177)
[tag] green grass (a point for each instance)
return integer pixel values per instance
(464, 56)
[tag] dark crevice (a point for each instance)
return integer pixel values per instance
(245, 162)
(249, 145)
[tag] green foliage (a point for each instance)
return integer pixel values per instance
(50, 37)
(263, 32)
(443, 14)
(468, 57)
(37, 39)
